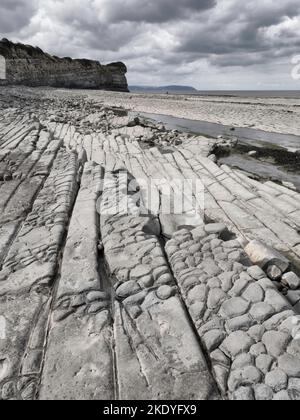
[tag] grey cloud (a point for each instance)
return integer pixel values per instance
(15, 14)
(154, 11)
(161, 38)
(237, 38)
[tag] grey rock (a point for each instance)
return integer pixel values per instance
(276, 342)
(257, 332)
(261, 311)
(264, 256)
(291, 280)
(256, 272)
(235, 307)
(127, 289)
(244, 393)
(258, 349)
(241, 361)
(197, 310)
(294, 389)
(274, 272)
(277, 380)
(264, 363)
(96, 295)
(237, 343)
(290, 365)
(254, 293)
(97, 307)
(218, 357)
(281, 396)
(293, 296)
(198, 293)
(140, 271)
(215, 228)
(165, 292)
(213, 339)
(215, 298)
(241, 323)
(263, 393)
(247, 376)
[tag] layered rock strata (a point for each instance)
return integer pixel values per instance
(107, 291)
(29, 66)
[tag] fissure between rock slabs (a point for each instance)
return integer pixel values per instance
(53, 289)
(164, 242)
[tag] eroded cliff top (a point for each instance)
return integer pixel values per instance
(11, 50)
(42, 69)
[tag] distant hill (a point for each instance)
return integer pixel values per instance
(163, 89)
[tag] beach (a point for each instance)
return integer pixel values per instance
(279, 115)
(135, 264)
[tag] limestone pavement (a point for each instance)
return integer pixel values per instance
(107, 291)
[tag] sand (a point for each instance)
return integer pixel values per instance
(279, 115)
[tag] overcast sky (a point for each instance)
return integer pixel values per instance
(210, 44)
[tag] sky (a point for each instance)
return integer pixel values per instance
(208, 44)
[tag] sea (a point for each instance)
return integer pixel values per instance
(251, 93)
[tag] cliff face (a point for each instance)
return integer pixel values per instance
(29, 66)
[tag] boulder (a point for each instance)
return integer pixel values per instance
(264, 256)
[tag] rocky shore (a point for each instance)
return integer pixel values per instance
(133, 265)
(29, 66)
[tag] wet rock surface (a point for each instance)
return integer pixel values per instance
(107, 291)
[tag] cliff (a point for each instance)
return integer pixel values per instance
(29, 66)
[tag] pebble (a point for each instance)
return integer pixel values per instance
(242, 361)
(215, 228)
(244, 377)
(291, 280)
(275, 342)
(215, 298)
(165, 292)
(146, 281)
(78, 301)
(241, 323)
(281, 396)
(264, 363)
(199, 292)
(261, 311)
(257, 332)
(277, 380)
(274, 273)
(140, 271)
(197, 310)
(213, 339)
(244, 393)
(263, 393)
(237, 343)
(258, 349)
(127, 289)
(256, 272)
(290, 365)
(235, 307)
(218, 357)
(165, 279)
(254, 293)
(293, 297)
(93, 296)
(97, 307)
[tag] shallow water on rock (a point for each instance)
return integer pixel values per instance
(245, 135)
(248, 138)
